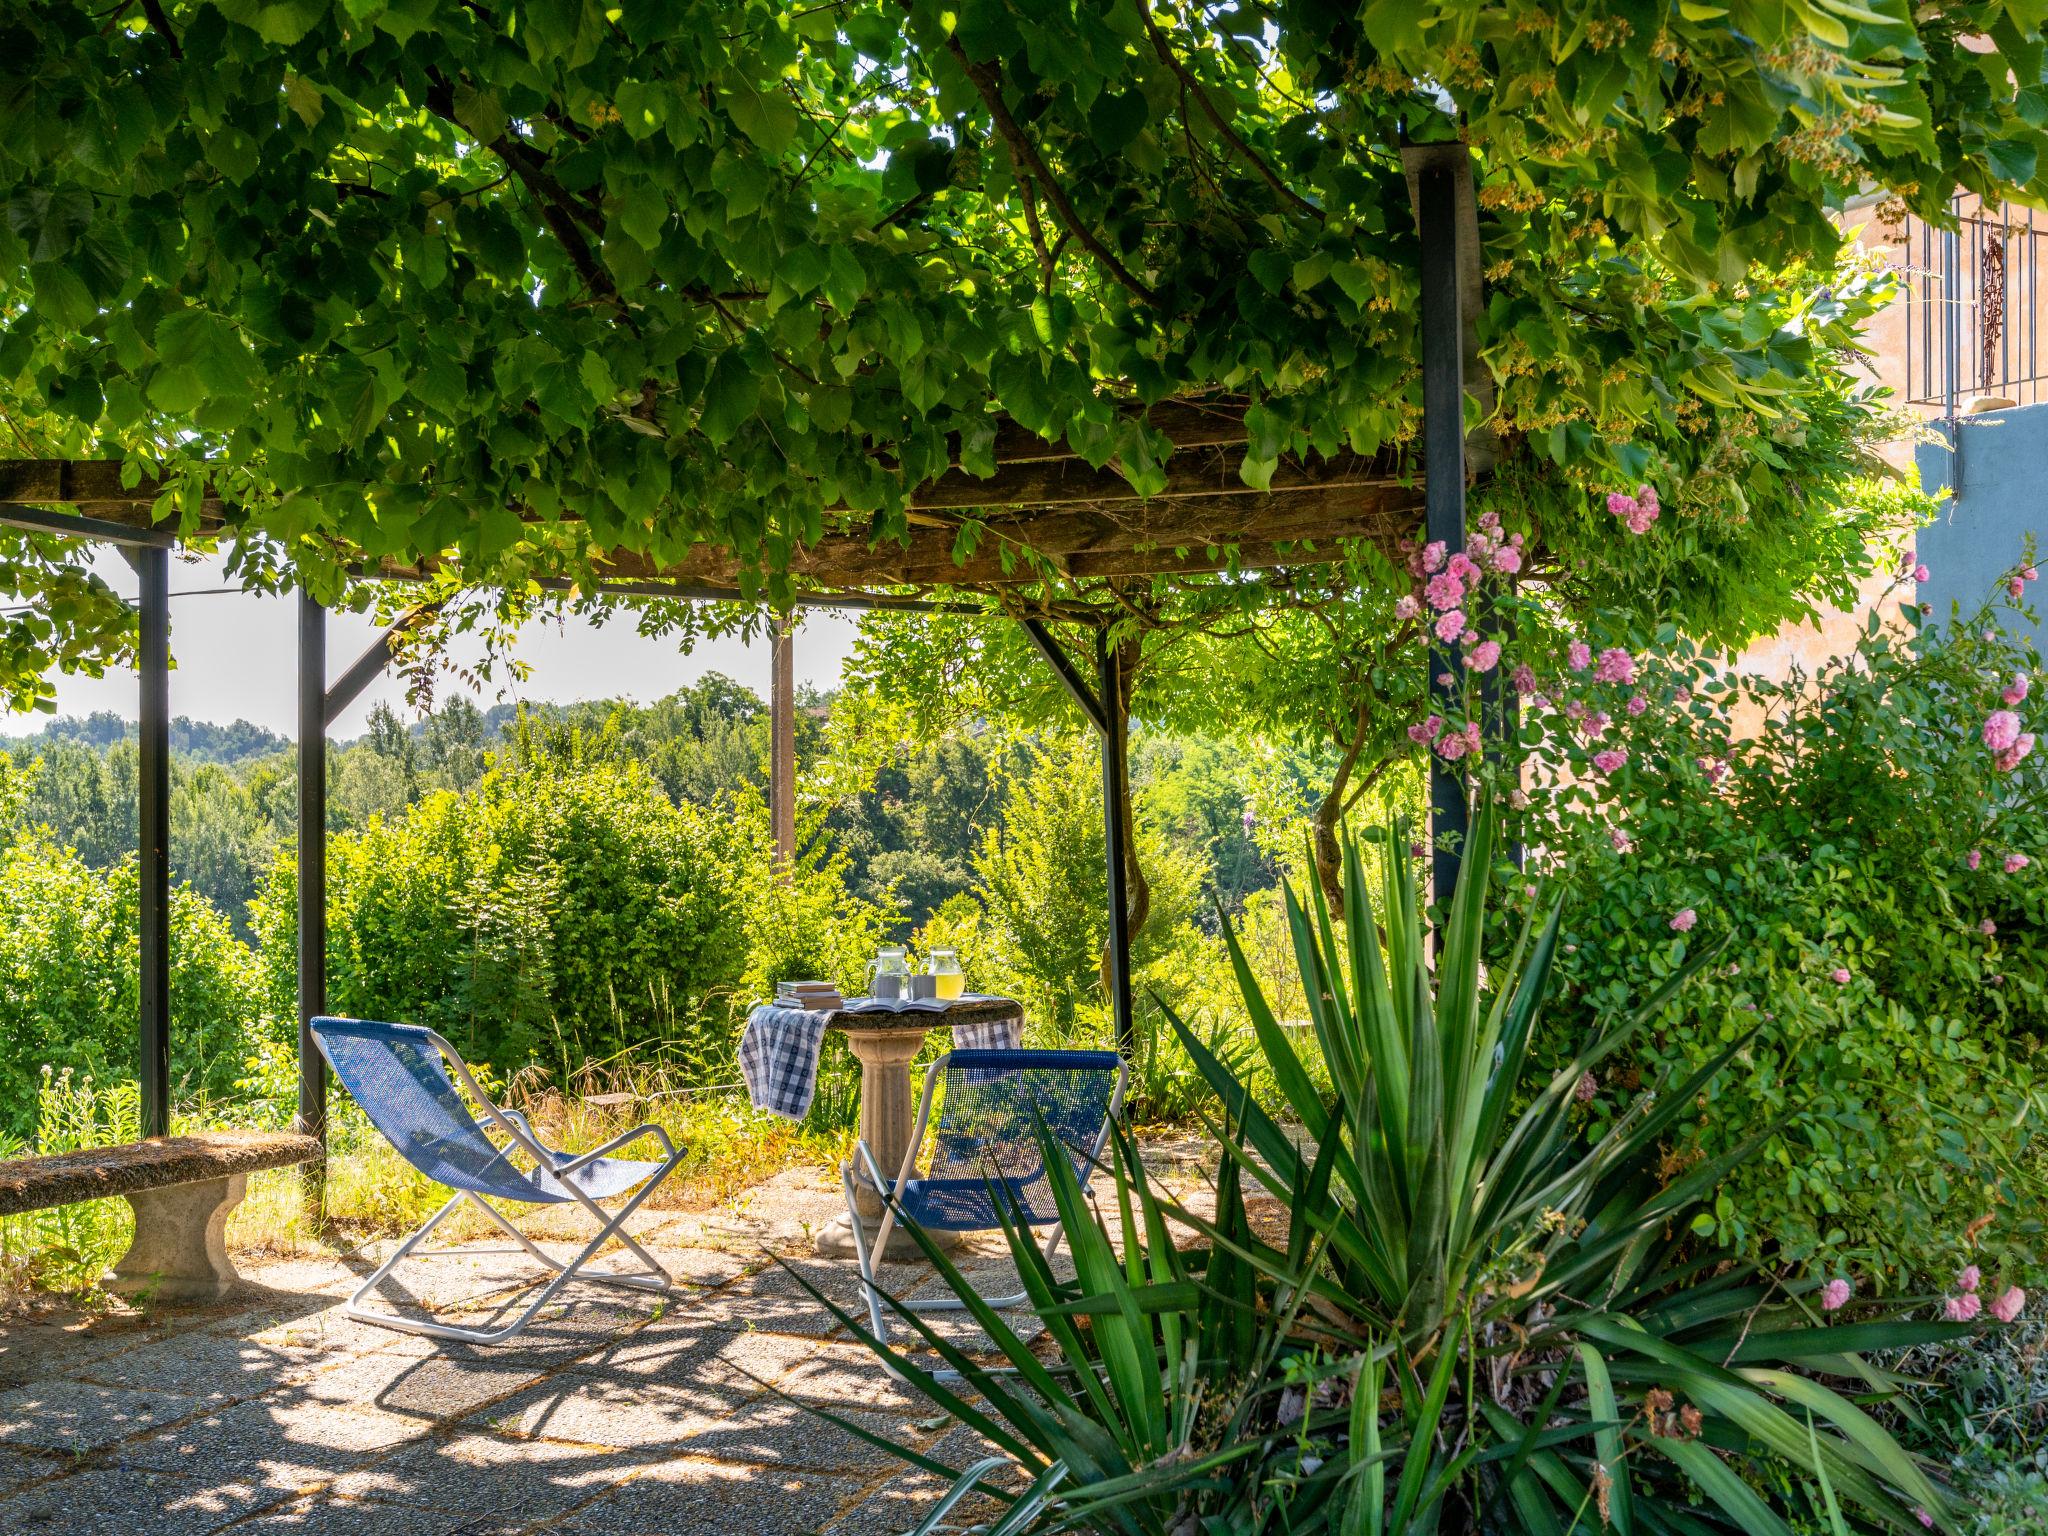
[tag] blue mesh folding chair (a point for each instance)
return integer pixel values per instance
(400, 1075)
(985, 1149)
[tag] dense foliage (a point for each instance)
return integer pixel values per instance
(1475, 1311)
(69, 969)
(517, 283)
(1878, 869)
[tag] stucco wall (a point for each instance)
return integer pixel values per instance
(1997, 477)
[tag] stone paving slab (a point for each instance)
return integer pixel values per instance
(618, 1412)
(124, 1501)
(78, 1416)
(496, 1475)
(707, 1498)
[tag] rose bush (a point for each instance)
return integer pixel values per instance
(1870, 836)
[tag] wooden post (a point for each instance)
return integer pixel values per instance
(782, 743)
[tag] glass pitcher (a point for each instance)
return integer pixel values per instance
(944, 965)
(887, 973)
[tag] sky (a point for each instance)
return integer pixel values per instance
(236, 658)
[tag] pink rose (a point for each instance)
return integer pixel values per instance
(1518, 799)
(1920, 573)
(1433, 555)
(1426, 730)
(1682, 698)
(2009, 1306)
(2030, 574)
(1612, 760)
(2015, 588)
(2016, 754)
(1839, 976)
(1580, 655)
(1976, 858)
(1595, 725)
(1637, 704)
(1970, 1278)
(1588, 1088)
(2016, 690)
(1987, 928)
(1684, 918)
(1507, 560)
(1622, 842)
(1450, 625)
(1445, 591)
(1407, 608)
(2001, 730)
(1835, 1294)
(1961, 1309)
(1461, 566)
(2015, 862)
(1523, 679)
(1616, 666)
(1484, 656)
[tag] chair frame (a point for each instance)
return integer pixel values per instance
(520, 1137)
(867, 1250)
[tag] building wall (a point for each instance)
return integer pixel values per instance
(1995, 467)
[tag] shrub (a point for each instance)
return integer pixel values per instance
(1045, 878)
(1484, 1315)
(555, 913)
(1828, 824)
(70, 986)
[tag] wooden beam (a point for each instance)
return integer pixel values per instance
(1138, 538)
(93, 485)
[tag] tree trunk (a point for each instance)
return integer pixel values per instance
(1329, 856)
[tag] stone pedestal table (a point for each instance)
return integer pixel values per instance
(885, 1044)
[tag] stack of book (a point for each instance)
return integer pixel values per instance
(814, 995)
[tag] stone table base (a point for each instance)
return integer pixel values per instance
(835, 1241)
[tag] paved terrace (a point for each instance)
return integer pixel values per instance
(615, 1413)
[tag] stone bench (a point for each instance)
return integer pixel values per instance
(181, 1189)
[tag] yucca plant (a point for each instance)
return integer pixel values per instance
(1479, 1321)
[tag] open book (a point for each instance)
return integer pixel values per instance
(911, 1004)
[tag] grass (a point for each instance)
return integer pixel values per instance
(371, 1191)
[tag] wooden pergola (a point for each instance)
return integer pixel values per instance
(1046, 513)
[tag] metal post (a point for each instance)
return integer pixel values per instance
(782, 743)
(153, 839)
(312, 863)
(1116, 816)
(1443, 463)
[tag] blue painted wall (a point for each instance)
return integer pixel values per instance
(1999, 479)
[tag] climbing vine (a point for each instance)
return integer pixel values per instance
(506, 284)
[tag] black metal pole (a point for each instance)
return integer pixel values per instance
(312, 862)
(1443, 463)
(1116, 816)
(153, 839)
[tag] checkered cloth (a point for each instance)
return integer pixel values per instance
(779, 1053)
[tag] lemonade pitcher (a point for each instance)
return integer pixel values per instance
(944, 965)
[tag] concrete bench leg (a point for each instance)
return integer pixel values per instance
(179, 1252)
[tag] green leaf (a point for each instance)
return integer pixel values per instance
(1116, 118)
(768, 117)
(49, 222)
